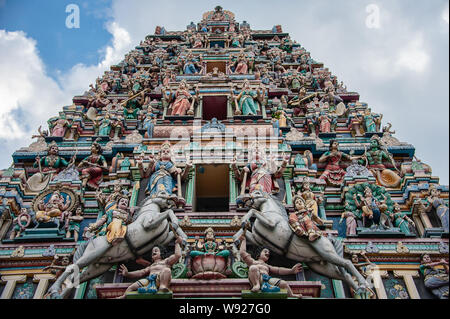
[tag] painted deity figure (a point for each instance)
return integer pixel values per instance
(350, 222)
(113, 223)
(53, 209)
(105, 126)
(259, 271)
(371, 208)
(435, 278)
(210, 246)
(157, 276)
(132, 105)
(52, 162)
(401, 220)
(374, 157)
(247, 100)
(149, 124)
(94, 165)
(262, 173)
(366, 268)
(303, 220)
(58, 127)
(181, 100)
(371, 121)
(162, 172)
(334, 173)
(72, 224)
(241, 65)
(435, 201)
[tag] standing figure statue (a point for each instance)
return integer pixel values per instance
(371, 121)
(241, 65)
(149, 124)
(95, 164)
(334, 173)
(104, 128)
(163, 172)
(435, 279)
(263, 173)
(157, 276)
(59, 126)
(435, 201)
(259, 271)
(247, 101)
(372, 209)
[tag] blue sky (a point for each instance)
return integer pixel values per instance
(400, 68)
(59, 47)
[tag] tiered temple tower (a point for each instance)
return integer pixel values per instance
(211, 121)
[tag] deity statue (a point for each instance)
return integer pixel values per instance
(113, 223)
(132, 105)
(259, 271)
(372, 208)
(401, 220)
(209, 259)
(96, 163)
(247, 101)
(157, 276)
(191, 66)
(180, 100)
(59, 126)
(105, 126)
(163, 171)
(325, 122)
(99, 100)
(371, 121)
(350, 222)
(52, 209)
(366, 268)
(435, 279)
(52, 162)
(304, 161)
(241, 64)
(263, 173)
(374, 157)
(334, 173)
(20, 222)
(354, 124)
(149, 124)
(312, 201)
(435, 201)
(302, 221)
(72, 223)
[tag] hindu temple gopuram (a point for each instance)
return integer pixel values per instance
(221, 162)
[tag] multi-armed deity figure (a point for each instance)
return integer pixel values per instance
(163, 171)
(262, 172)
(53, 209)
(157, 276)
(372, 209)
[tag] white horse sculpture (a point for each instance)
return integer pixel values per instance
(271, 229)
(150, 227)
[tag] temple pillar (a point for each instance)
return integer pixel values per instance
(408, 276)
(43, 280)
(11, 282)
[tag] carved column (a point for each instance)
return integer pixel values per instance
(11, 282)
(43, 280)
(377, 276)
(408, 276)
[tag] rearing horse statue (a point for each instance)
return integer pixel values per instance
(150, 227)
(271, 229)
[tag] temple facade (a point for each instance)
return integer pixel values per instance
(221, 161)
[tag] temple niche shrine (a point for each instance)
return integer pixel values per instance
(221, 162)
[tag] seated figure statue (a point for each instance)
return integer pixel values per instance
(209, 259)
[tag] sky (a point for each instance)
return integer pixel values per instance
(394, 53)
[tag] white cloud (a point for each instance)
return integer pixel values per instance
(413, 57)
(29, 97)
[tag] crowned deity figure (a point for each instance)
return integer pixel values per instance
(435, 201)
(262, 174)
(435, 277)
(180, 101)
(55, 207)
(247, 100)
(163, 171)
(92, 167)
(334, 173)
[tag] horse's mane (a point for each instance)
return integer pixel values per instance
(138, 210)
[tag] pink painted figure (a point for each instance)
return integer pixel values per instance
(181, 106)
(334, 173)
(59, 127)
(242, 66)
(350, 221)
